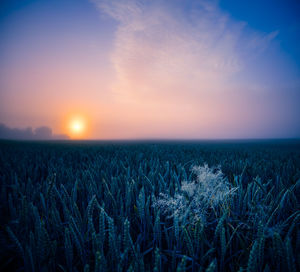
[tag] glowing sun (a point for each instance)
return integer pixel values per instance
(77, 127)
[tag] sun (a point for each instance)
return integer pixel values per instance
(77, 127)
(76, 124)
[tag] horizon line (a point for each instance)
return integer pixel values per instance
(152, 139)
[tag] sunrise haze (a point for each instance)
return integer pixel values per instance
(150, 69)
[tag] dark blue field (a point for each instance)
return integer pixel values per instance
(150, 206)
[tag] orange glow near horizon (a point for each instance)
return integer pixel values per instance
(77, 126)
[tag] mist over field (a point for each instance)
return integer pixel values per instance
(40, 133)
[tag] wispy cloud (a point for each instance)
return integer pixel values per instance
(182, 59)
(196, 48)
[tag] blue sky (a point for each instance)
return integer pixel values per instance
(152, 69)
(268, 16)
(265, 16)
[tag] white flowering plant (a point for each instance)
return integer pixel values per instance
(192, 202)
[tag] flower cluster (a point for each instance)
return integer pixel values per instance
(195, 198)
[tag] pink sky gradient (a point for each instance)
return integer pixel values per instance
(148, 70)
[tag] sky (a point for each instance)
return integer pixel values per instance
(141, 69)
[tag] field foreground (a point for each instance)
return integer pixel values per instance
(150, 206)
